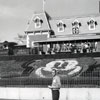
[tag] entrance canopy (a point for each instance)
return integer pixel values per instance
(72, 38)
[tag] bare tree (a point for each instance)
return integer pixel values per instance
(21, 39)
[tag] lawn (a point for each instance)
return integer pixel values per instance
(74, 72)
(10, 68)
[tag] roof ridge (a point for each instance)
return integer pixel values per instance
(76, 16)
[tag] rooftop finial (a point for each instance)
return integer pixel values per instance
(99, 6)
(44, 1)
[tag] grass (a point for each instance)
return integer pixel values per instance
(10, 68)
(11, 73)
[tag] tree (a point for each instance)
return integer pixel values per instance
(21, 39)
(5, 44)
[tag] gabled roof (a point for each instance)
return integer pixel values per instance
(45, 25)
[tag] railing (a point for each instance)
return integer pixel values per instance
(36, 50)
(38, 82)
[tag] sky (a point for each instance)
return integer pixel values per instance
(15, 14)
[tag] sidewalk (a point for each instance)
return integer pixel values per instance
(45, 94)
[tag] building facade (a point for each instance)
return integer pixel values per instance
(44, 29)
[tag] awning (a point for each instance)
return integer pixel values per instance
(70, 38)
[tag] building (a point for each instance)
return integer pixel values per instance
(45, 32)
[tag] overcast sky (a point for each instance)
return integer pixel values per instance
(14, 14)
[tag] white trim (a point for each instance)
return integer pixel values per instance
(43, 33)
(31, 34)
(92, 19)
(39, 33)
(94, 26)
(27, 41)
(39, 24)
(77, 22)
(32, 44)
(62, 28)
(48, 35)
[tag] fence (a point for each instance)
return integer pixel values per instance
(33, 51)
(27, 76)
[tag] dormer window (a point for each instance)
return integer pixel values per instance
(92, 24)
(38, 22)
(75, 27)
(76, 23)
(61, 26)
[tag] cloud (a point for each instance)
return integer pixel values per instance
(6, 11)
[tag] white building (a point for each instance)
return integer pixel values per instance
(44, 29)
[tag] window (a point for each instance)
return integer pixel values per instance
(92, 24)
(75, 27)
(61, 26)
(38, 22)
(75, 30)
